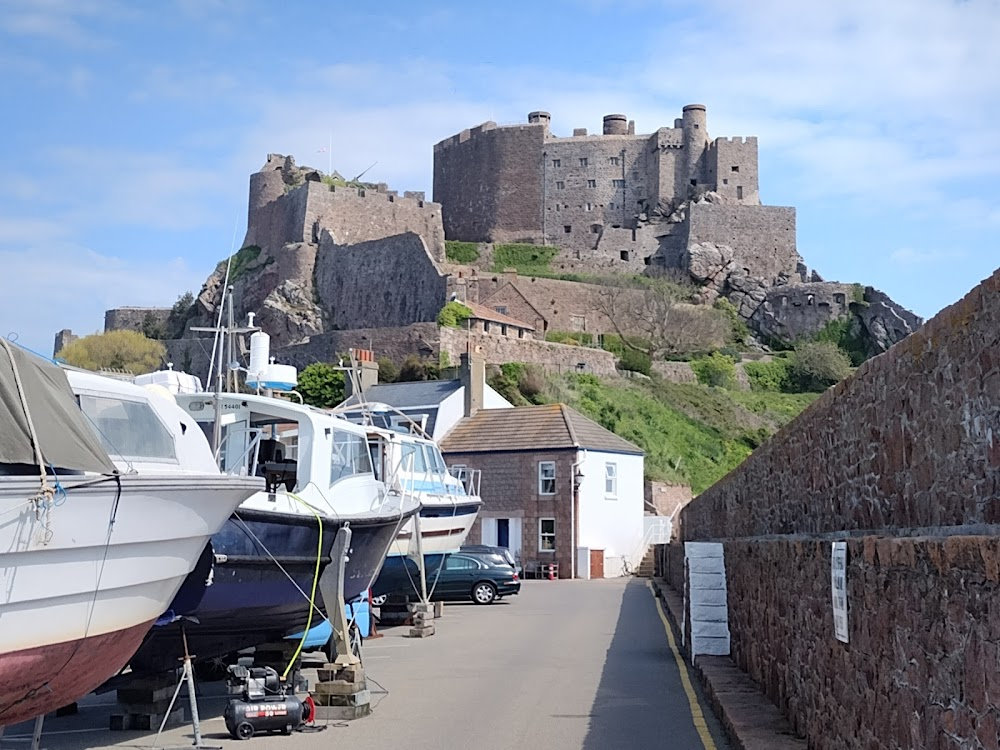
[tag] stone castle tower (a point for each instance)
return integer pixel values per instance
(521, 183)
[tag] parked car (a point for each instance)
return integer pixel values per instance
(502, 552)
(483, 577)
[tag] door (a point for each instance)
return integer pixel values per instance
(503, 532)
(597, 563)
(488, 531)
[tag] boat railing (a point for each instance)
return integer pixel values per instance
(470, 478)
(243, 463)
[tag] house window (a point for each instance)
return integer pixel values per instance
(596, 229)
(725, 181)
(558, 207)
(739, 191)
(546, 477)
(591, 183)
(567, 229)
(611, 480)
(486, 326)
(577, 322)
(613, 161)
(694, 182)
(557, 162)
(520, 333)
(589, 207)
(583, 161)
(618, 183)
(503, 329)
(560, 185)
(502, 309)
(624, 255)
(735, 169)
(546, 535)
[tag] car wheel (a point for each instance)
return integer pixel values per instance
(484, 593)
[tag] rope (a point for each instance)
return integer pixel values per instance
(42, 501)
(312, 594)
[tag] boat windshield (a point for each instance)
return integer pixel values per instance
(350, 455)
(434, 459)
(129, 429)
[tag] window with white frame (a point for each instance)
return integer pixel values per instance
(611, 480)
(546, 535)
(546, 477)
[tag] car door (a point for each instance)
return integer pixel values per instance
(458, 576)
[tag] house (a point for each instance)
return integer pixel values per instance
(435, 405)
(483, 319)
(557, 488)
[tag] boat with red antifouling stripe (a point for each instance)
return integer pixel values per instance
(109, 493)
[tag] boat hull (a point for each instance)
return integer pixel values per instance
(251, 600)
(116, 555)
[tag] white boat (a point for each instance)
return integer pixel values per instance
(449, 504)
(95, 544)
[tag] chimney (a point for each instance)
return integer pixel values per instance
(473, 368)
(367, 374)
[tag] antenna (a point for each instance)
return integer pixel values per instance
(365, 172)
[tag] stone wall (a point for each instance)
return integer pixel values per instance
(550, 357)
(902, 461)
(378, 283)
(795, 311)
(133, 318)
(64, 338)
(422, 339)
(675, 372)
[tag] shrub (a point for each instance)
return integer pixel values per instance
(129, 351)
(815, 366)
(183, 310)
(848, 334)
(242, 260)
(768, 376)
(527, 259)
(571, 338)
(453, 315)
(321, 385)
(715, 370)
(531, 383)
(388, 372)
(738, 330)
(461, 252)
(635, 361)
(415, 368)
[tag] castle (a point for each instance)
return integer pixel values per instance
(328, 264)
(615, 200)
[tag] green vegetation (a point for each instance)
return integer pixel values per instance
(858, 293)
(517, 382)
(570, 338)
(690, 433)
(453, 315)
(815, 366)
(769, 377)
(529, 260)
(388, 372)
(242, 260)
(848, 335)
(716, 370)
(128, 351)
(321, 385)
(415, 368)
(739, 331)
(461, 252)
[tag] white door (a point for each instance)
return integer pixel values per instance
(515, 537)
(489, 532)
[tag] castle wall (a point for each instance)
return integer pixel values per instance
(793, 311)
(488, 181)
(272, 224)
(667, 177)
(593, 182)
(557, 358)
(422, 339)
(762, 236)
(379, 283)
(133, 318)
(732, 169)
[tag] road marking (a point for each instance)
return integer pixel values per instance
(696, 713)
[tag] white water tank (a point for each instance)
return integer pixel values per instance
(174, 381)
(279, 378)
(260, 352)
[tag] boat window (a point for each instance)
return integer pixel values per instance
(413, 459)
(434, 460)
(350, 455)
(129, 429)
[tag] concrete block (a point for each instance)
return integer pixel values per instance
(339, 688)
(703, 549)
(709, 629)
(422, 632)
(707, 581)
(709, 613)
(342, 713)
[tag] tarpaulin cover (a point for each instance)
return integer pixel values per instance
(66, 440)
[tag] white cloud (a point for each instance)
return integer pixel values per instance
(51, 286)
(911, 256)
(62, 21)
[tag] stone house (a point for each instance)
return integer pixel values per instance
(494, 320)
(557, 488)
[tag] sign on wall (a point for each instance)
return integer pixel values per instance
(838, 574)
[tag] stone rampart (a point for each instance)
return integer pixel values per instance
(134, 318)
(901, 460)
(558, 358)
(422, 339)
(763, 237)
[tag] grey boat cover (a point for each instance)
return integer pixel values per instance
(67, 441)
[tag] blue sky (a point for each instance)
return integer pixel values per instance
(130, 129)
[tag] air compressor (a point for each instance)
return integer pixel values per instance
(261, 703)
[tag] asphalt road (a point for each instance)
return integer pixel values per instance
(567, 664)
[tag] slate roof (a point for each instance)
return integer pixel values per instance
(407, 395)
(481, 312)
(529, 428)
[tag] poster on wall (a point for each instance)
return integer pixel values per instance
(838, 574)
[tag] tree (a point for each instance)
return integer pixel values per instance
(815, 366)
(115, 350)
(180, 314)
(651, 316)
(321, 385)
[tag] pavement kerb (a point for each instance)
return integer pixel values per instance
(751, 720)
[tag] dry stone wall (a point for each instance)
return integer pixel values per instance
(550, 357)
(902, 460)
